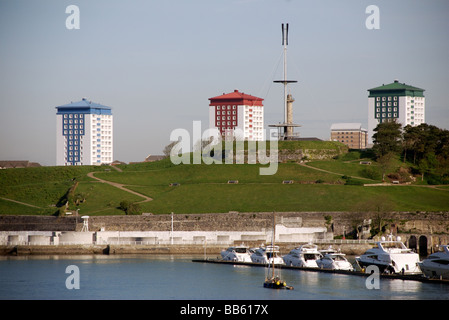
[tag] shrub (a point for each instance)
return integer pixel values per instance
(353, 182)
(371, 173)
(130, 208)
(124, 205)
(134, 209)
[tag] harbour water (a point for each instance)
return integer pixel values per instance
(173, 277)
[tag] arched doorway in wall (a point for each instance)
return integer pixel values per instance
(412, 243)
(422, 245)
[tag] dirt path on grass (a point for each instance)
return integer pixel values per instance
(379, 184)
(23, 203)
(120, 186)
(336, 173)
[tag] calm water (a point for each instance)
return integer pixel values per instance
(178, 278)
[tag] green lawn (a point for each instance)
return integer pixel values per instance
(102, 199)
(42, 187)
(202, 198)
(215, 173)
(203, 188)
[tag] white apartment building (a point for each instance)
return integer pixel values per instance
(84, 134)
(395, 101)
(237, 110)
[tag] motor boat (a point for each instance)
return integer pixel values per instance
(267, 255)
(303, 256)
(390, 256)
(437, 264)
(334, 261)
(329, 249)
(238, 254)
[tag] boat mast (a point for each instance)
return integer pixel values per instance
(272, 243)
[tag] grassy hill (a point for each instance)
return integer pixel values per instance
(318, 186)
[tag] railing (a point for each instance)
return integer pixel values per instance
(184, 242)
(168, 242)
(345, 241)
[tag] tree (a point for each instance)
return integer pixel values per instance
(387, 138)
(410, 139)
(379, 209)
(168, 147)
(387, 142)
(430, 147)
(386, 163)
(428, 164)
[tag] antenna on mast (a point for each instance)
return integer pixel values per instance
(288, 124)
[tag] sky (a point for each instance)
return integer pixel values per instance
(156, 63)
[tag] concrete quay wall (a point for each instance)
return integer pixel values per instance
(211, 251)
(283, 234)
(420, 230)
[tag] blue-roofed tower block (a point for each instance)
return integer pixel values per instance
(84, 134)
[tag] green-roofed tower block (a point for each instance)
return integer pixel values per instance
(395, 102)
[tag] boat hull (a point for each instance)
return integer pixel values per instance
(410, 266)
(300, 263)
(276, 285)
(383, 268)
(335, 266)
(434, 270)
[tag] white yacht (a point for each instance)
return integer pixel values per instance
(334, 261)
(329, 249)
(390, 257)
(303, 256)
(437, 264)
(267, 255)
(239, 254)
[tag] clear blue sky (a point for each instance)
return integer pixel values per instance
(156, 63)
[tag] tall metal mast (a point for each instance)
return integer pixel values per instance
(288, 121)
(285, 43)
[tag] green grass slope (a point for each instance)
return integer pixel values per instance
(318, 186)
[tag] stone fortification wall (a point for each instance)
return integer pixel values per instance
(37, 223)
(254, 221)
(338, 222)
